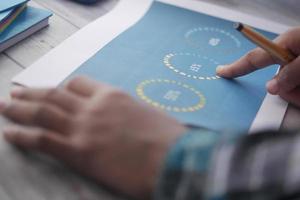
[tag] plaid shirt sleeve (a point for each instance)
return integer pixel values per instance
(213, 166)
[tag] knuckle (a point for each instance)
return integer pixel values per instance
(115, 95)
(81, 148)
(42, 140)
(40, 112)
(74, 81)
(250, 54)
(51, 93)
(17, 134)
(287, 39)
(22, 94)
(44, 115)
(106, 103)
(11, 110)
(41, 115)
(249, 57)
(65, 122)
(285, 82)
(107, 98)
(230, 71)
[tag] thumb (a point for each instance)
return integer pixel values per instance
(287, 79)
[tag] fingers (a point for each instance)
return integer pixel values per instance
(254, 60)
(258, 58)
(292, 97)
(290, 40)
(36, 114)
(36, 139)
(62, 98)
(83, 86)
(287, 79)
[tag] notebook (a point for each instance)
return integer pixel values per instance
(28, 22)
(9, 4)
(8, 17)
(5, 14)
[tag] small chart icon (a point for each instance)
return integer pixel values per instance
(192, 65)
(171, 95)
(212, 40)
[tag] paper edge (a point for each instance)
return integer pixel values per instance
(82, 50)
(270, 115)
(265, 117)
(229, 14)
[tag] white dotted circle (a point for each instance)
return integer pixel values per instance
(210, 30)
(168, 63)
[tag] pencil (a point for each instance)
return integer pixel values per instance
(260, 40)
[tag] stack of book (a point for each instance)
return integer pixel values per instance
(18, 21)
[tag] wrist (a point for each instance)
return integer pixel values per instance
(158, 155)
(188, 158)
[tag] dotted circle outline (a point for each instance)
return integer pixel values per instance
(198, 106)
(168, 64)
(212, 29)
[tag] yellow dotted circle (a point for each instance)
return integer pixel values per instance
(168, 64)
(199, 105)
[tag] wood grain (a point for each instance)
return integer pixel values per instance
(34, 47)
(77, 14)
(8, 68)
(24, 176)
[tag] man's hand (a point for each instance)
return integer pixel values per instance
(286, 83)
(96, 129)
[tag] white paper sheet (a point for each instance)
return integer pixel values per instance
(53, 68)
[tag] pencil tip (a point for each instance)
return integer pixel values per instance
(238, 26)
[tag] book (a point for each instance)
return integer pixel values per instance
(10, 4)
(8, 17)
(5, 14)
(28, 22)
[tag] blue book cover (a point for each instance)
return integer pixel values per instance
(9, 4)
(28, 18)
(5, 14)
(169, 59)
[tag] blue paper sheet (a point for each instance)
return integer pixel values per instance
(168, 59)
(9, 4)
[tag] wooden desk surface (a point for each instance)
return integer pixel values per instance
(24, 178)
